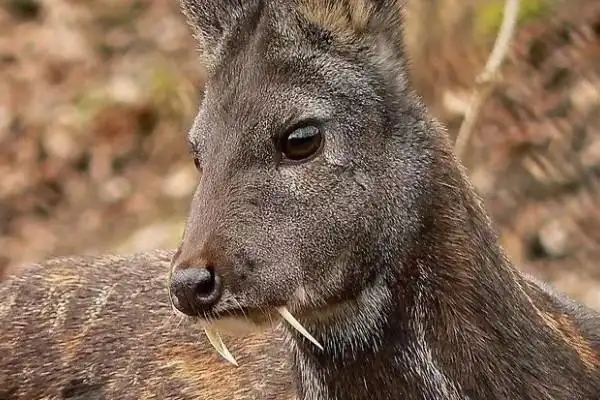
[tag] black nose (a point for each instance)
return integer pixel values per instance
(194, 290)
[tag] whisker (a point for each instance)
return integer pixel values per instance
(169, 282)
(181, 319)
(268, 314)
(240, 308)
(271, 319)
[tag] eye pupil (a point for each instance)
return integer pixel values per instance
(302, 143)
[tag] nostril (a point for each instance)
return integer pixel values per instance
(206, 284)
(195, 289)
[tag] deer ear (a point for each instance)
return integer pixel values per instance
(353, 18)
(213, 22)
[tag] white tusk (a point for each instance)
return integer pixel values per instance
(285, 314)
(215, 339)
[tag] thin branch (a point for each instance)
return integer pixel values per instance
(487, 79)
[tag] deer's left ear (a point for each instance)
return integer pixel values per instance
(353, 18)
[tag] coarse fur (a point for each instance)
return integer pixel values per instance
(379, 245)
(102, 327)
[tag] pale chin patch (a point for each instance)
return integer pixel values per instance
(236, 326)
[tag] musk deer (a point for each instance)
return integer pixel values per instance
(102, 328)
(329, 196)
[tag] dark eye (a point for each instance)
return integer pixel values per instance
(301, 143)
(197, 163)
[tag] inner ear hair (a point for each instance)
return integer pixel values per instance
(353, 18)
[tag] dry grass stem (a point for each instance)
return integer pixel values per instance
(488, 78)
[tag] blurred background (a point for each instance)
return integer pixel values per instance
(96, 96)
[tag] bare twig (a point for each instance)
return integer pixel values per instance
(490, 75)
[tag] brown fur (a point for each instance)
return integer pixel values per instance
(76, 328)
(564, 327)
(354, 18)
(345, 18)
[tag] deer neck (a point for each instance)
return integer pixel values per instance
(380, 352)
(452, 319)
(391, 341)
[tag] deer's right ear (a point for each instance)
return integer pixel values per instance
(212, 23)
